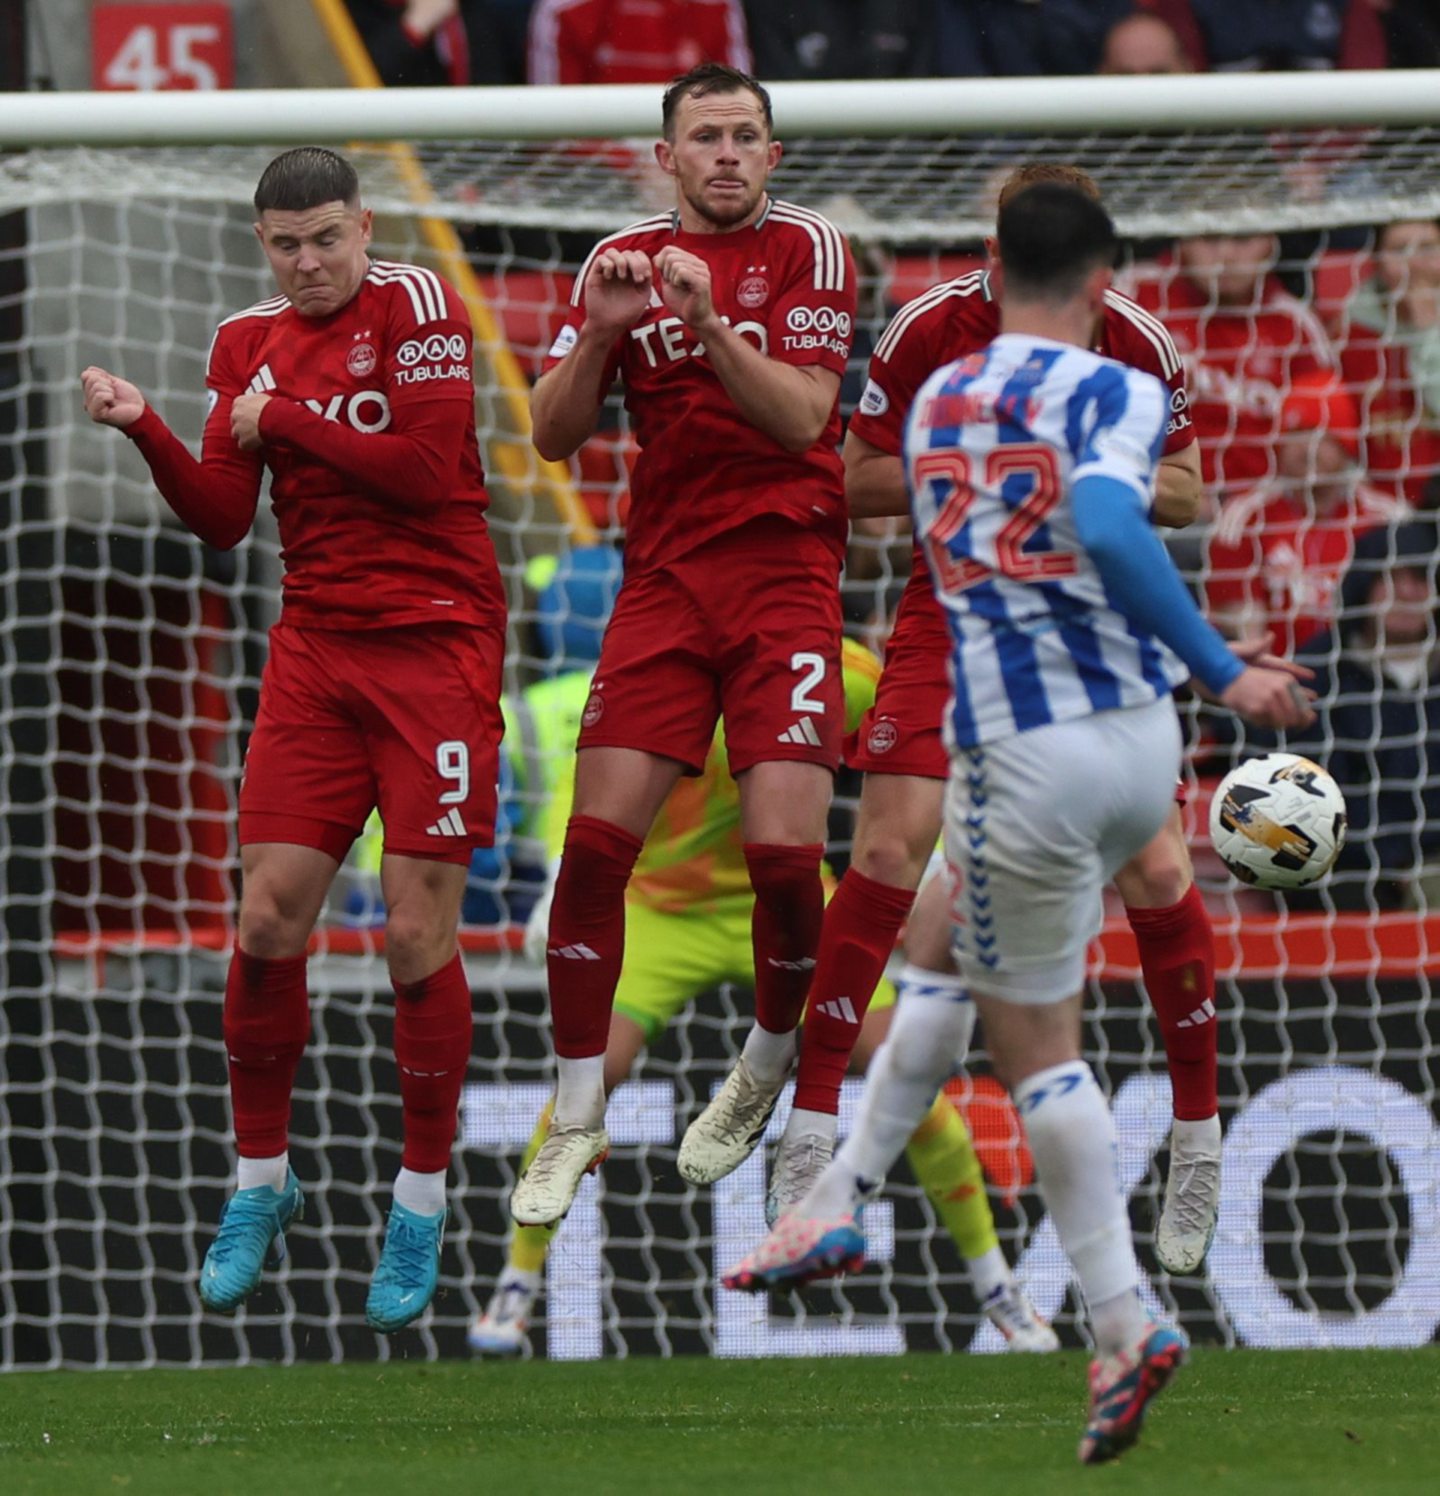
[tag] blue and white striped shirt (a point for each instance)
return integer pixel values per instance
(994, 445)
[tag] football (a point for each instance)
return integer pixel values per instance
(1278, 821)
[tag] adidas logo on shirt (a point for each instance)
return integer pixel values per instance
(841, 1008)
(802, 732)
(263, 382)
(449, 824)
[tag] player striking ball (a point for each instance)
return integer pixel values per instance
(353, 386)
(899, 749)
(1032, 469)
(730, 321)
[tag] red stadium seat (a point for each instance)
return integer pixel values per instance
(530, 306)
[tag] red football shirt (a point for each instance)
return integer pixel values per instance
(376, 479)
(633, 41)
(787, 284)
(959, 317)
(1239, 363)
(1274, 563)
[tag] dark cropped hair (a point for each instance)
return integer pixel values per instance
(1052, 236)
(304, 178)
(710, 78)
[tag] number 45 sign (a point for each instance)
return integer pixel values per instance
(149, 47)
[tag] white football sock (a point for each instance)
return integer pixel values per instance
(769, 1056)
(1072, 1140)
(422, 1193)
(1196, 1137)
(580, 1092)
(988, 1272)
(926, 1035)
(807, 1124)
(918, 982)
(253, 1172)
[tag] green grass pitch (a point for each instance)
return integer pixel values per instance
(1234, 1422)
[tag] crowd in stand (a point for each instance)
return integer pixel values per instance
(648, 41)
(1318, 412)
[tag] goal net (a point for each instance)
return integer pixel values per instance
(130, 672)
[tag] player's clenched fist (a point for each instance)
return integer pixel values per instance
(685, 285)
(617, 289)
(245, 421)
(110, 400)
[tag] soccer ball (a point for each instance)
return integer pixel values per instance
(1278, 821)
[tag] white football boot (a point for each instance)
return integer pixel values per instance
(546, 1189)
(727, 1132)
(501, 1330)
(1192, 1196)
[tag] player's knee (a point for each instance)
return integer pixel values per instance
(272, 926)
(1159, 876)
(888, 857)
(418, 941)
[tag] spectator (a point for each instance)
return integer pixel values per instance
(1278, 35)
(633, 41)
(1278, 554)
(1140, 45)
(1392, 356)
(1244, 339)
(428, 43)
(1377, 723)
(1412, 31)
(1022, 38)
(818, 39)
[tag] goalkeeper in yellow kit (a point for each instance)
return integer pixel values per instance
(688, 929)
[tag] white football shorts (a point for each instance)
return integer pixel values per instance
(1035, 826)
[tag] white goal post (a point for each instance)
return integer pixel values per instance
(130, 667)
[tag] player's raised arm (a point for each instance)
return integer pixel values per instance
(214, 497)
(612, 296)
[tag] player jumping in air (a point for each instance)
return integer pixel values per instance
(354, 387)
(688, 914)
(899, 749)
(730, 321)
(1032, 471)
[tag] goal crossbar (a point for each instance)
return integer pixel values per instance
(913, 107)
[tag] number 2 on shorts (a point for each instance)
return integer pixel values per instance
(814, 667)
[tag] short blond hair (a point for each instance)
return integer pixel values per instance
(1035, 172)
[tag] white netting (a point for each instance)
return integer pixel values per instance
(132, 661)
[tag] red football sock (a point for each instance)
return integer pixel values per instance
(587, 933)
(1177, 957)
(433, 1025)
(266, 1023)
(861, 927)
(785, 929)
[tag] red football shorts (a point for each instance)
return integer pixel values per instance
(900, 734)
(747, 625)
(406, 719)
